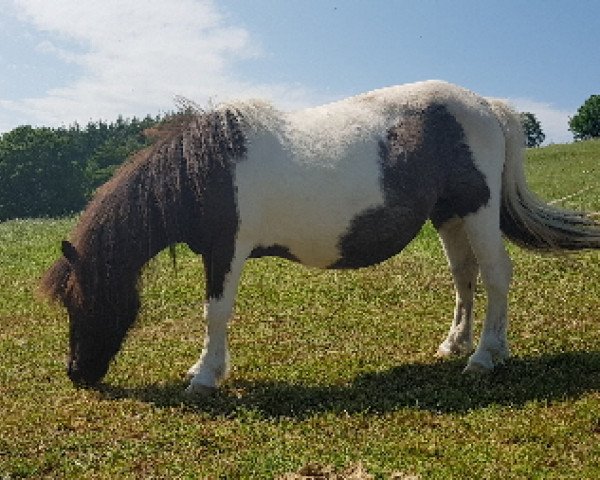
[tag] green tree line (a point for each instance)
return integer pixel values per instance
(54, 171)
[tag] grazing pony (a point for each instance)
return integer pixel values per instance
(345, 185)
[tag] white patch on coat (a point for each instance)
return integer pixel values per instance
(309, 173)
(300, 185)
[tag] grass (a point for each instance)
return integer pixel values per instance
(328, 367)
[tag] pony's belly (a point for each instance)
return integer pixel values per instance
(302, 205)
(313, 252)
(314, 244)
(372, 237)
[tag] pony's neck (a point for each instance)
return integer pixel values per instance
(152, 219)
(130, 222)
(170, 193)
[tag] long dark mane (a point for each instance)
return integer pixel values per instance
(158, 198)
(154, 200)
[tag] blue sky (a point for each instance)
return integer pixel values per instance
(77, 60)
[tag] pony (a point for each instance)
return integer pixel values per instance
(344, 185)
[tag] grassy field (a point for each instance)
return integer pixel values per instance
(330, 367)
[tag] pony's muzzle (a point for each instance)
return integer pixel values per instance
(82, 377)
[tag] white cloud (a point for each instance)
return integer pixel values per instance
(136, 56)
(554, 121)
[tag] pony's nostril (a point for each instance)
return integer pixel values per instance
(84, 374)
(73, 372)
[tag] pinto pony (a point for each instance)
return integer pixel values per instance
(345, 185)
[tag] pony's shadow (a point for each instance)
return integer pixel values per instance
(437, 387)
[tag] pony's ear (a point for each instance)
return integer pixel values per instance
(70, 252)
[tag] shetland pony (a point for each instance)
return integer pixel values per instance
(345, 185)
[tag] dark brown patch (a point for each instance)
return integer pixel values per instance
(273, 251)
(179, 190)
(427, 171)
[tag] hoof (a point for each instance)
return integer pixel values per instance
(474, 368)
(197, 390)
(193, 370)
(446, 350)
(484, 360)
(443, 352)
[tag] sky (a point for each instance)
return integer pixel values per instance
(66, 61)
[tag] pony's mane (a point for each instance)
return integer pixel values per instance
(152, 200)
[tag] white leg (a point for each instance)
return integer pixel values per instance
(213, 366)
(496, 272)
(463, 265)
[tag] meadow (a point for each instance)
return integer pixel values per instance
(331, 367)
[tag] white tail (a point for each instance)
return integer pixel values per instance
(526, 219)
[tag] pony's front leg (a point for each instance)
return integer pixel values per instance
(222, 278)
(463, 265)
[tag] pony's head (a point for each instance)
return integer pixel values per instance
(100, 312)
(96, 277)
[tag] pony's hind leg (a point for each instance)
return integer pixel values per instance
(463, 266)
(222, 280)
(484, 235)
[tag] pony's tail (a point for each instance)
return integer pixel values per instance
(527, 220)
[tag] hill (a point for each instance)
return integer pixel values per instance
(567, 170)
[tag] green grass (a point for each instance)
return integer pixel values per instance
(328, 367)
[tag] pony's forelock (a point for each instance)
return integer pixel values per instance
(54, 283)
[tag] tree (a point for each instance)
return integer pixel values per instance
(586, 122)
(113, 144)
(41, 173)
(54, 171)
(534, 136)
